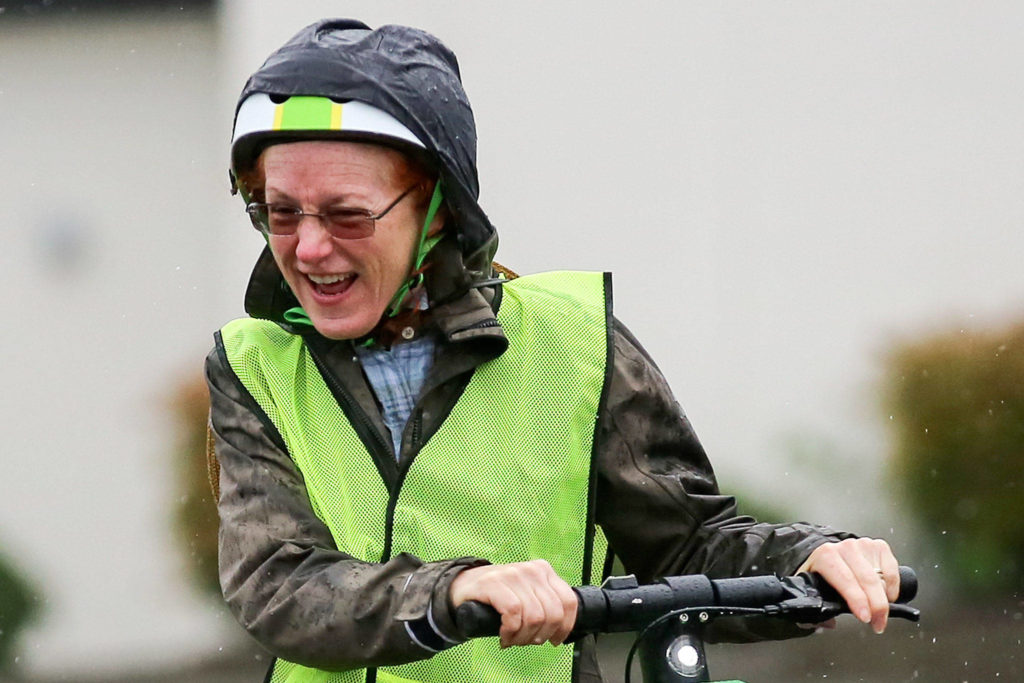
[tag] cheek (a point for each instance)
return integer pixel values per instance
(401, 254)
(283, 251)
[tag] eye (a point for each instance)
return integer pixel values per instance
(347, 223)
(344, 214)
(282, 210)
(282, 214)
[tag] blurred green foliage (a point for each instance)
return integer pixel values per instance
(18, 605)
(956, 404)
(196, 514)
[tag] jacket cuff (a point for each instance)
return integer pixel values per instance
(441, 612)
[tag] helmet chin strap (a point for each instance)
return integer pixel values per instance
(423, 248)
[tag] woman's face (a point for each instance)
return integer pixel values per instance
(343, 284)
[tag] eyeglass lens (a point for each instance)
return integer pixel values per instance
(284, 220)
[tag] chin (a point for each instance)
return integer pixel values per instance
(342, 329)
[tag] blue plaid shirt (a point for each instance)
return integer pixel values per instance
(397, 375)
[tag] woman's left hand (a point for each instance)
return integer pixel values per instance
(864, 572)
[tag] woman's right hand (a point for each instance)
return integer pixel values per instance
(535, 604)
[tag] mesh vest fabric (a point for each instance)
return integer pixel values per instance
(507, 476)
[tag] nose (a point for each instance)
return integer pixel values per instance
(315, 242)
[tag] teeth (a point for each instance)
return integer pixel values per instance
(328, 279)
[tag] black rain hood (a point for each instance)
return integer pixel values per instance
(411, 75)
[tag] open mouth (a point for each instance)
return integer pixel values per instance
(331, 285)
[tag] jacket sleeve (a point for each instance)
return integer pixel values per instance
(281, 574)
(657, 499)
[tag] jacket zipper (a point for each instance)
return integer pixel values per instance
(403, 469)
(482, 325)
(417, 430)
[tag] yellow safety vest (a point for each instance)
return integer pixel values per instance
(507, 477)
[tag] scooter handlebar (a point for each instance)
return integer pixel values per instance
(622, 605)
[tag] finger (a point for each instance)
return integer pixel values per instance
(509, 605)
(558, 602)
(569, 603)
(862, 557)
(832, 567)
(543, 612)
(890, 571)
(529, 618)
(543, 617)
(829, 562)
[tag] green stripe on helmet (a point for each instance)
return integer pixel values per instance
(306, 113)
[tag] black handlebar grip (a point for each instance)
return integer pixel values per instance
(908, 585)
(475, 619)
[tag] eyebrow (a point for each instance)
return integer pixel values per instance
(281, 195)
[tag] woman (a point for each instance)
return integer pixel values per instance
(402, 425)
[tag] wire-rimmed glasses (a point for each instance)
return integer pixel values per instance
(343, 223)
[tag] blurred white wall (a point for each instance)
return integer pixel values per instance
(781, 189)
(111, 166)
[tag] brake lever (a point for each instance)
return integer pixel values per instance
(901, 611)
(812, 609)
(809, 609)
(806, 603)
(811, 604)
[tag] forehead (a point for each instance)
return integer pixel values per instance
(329, 158)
